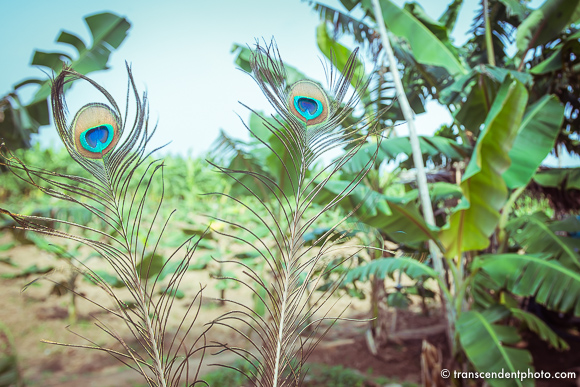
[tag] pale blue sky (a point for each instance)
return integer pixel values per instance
(180, 54)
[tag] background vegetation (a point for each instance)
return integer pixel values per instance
(507, 228)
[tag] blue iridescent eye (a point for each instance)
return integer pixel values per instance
(97, 138)
(309, 108)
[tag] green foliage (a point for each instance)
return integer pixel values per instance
(506, 119)
(436, 149)
(319, 375)
(538, 326)
(399, 220)
(20, 119)
(536, 234)
(535, 139)
(229, 376)
(256, 156)
(552, 283)
(150, 266)
(483, 187)
(243, 57)
(501, 150)
(545, 23)
(427, 47)
(562, 178)
(383, 267)
(189, 178)
(487, 345)
(10, 375)
(337, 52)
(558, 57)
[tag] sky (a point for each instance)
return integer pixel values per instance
(180, 53)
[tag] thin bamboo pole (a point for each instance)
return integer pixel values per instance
(418, 161)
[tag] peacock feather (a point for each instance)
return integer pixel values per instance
(116, 190)
(308, 123)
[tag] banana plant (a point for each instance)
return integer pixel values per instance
(20, 119)
(508, 117)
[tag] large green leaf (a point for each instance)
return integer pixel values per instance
(535, 235)
(266, 155)
(382, 267)
(150, 266)
(240, 158)
(431, 147)
(546, 23)
(499, 74)
(482, 86)
(449, 17)
(550, 282)
(483, 187)
(540, 328)
(484, 291)
(244, 57)
(483, 75)
(555, 61)
(371, 204)
(534, 141)
(427, 48)
(486, 346)
(259, 128)
(382, 88)
(285, 164)
(271, 150)
(20, 121)
(516, 7)
(248, 183)
(337, 53)
(108, 32)
(569, 224)
(438, 191)
(561, 178)
(444, 191)
(405, 224)
(401, 221)
(458, 89)
(473, 111)
(437, 28)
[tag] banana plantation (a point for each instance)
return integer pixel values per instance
(331, 245)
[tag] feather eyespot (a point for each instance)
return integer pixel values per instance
(308, 102)
(95, 130)
(308, 108)
(97, 138)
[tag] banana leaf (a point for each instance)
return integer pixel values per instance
(535, 139)
(551, 283)
(536, 235)
(486, 345)
(484, 190)
(382, 267)
(546, 23)
(427, 48)
(108, 31)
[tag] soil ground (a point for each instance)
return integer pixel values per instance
(37, 314)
